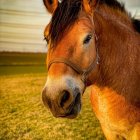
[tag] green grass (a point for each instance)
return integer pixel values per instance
(23, 115)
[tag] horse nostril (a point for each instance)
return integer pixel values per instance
(65, 98)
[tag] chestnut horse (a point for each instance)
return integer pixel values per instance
(94, 43)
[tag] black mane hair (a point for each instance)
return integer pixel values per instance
(64, 16)
(114, 4)
(67, 13)
(136, 24)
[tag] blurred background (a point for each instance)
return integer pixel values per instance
(23, 75)
(22, 23)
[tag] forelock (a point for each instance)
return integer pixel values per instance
(63, 18)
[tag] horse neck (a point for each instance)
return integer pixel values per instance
(106, 16)
(118, 51)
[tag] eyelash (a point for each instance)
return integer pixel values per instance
(47, 40)
(87, 39)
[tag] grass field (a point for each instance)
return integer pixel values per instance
(22, 114)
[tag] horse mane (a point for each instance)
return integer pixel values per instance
(114, 4)
(64, 16)
(68, 11)
(136, 24)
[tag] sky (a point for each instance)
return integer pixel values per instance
(22, 23)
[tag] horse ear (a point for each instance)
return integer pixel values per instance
(51, 5)
(89, 5)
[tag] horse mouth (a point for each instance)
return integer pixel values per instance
(73, 109)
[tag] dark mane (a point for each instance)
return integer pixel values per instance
(67, 13)
(114, 4)
(136, 24)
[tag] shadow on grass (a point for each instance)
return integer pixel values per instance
(14, 70)
(22, 63)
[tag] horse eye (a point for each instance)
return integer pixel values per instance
(87, 39)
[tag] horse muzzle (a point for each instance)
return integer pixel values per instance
(63, 97)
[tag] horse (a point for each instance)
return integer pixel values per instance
(94, 43)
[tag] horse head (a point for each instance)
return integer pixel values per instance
(72, 55)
